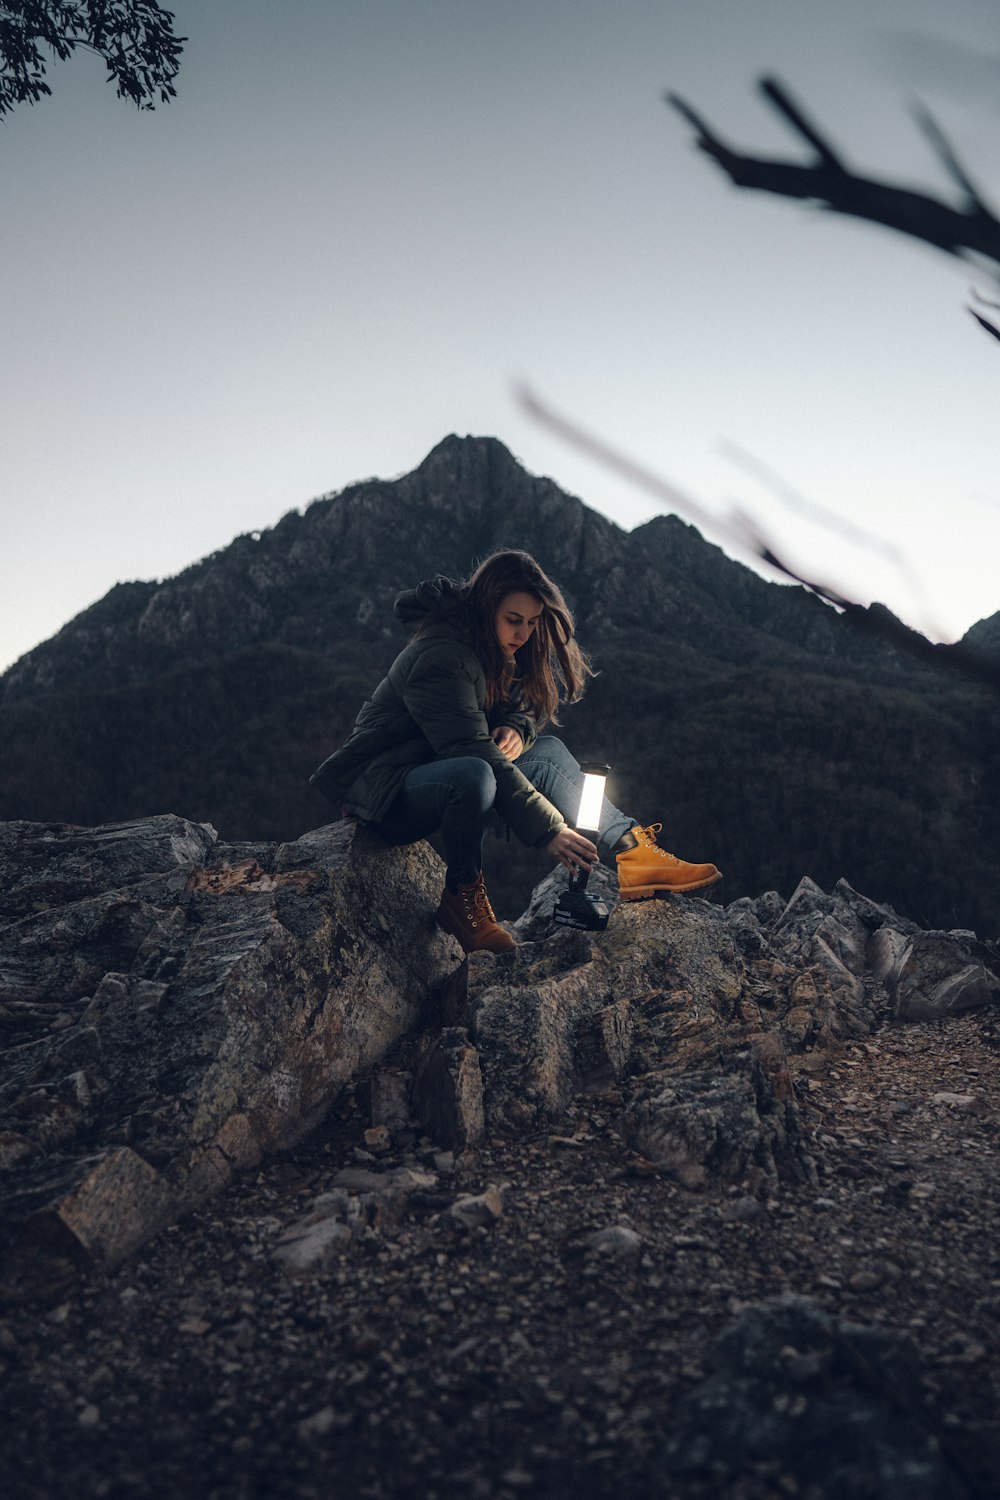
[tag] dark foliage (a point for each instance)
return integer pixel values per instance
(765, 731)
(135, 38)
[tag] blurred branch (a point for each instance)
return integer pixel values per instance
(821, 515)
(985, 323)
(971, 228)
(875, 621)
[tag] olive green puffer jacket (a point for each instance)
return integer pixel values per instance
(431, 706)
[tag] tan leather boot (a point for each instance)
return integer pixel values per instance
(468, 916)
(645, 869)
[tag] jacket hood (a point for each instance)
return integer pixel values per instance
(413, 606)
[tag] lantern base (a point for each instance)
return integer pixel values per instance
(577, 909)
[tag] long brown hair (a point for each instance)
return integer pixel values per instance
(550, 668)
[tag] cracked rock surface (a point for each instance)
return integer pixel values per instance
(704, 1205)
(175, 1008)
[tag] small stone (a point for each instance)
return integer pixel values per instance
(617, 1241)
(309, 1246)
(89, 1416)
(865, 1281)
(378, 1140)
(327, 1419)
(194, 1326)
(743, 1211)
(482, 1209)
(517, 1477)
(964, 1103)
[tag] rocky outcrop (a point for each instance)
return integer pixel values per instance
(177, 1007)
(704, 1017)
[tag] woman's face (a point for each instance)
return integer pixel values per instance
(516, 619)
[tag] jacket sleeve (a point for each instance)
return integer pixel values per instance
(516, 715)
(443, 695)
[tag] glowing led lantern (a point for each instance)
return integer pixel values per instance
(588, 819)
(575, 908)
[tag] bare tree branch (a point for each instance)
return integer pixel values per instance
(821, 515)
(949, 160)
(874, 621)
(985, 323)
(971, 229)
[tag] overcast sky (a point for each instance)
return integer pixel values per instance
(360, 224)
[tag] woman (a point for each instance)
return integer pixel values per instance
(449, 739)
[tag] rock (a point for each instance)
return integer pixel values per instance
(768, 907)
(548, 1017)
(872, 914)
(742, 1211)
(360, 1200)
(938, 975)
(447, 1091)
(477, 1211)
(964, 1103)
(50, 866)
(807, 907)
(790, 1382)
(221, 997)
(736, 1123)
(185, 1008)
(886, 947)
(327, 1419)
(396, 1183)
(618, 1242)
(390, 1101)
(310, 1245)
(378, 1140)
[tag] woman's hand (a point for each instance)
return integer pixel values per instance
(573, 850)
(507, 739)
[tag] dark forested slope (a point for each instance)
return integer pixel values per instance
(767, 732)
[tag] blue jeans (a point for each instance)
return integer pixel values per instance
(456, 796)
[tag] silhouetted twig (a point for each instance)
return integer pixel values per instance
(985, 323)
(821, 515)
(971, 228)
(873, 621)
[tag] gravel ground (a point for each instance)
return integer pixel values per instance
(428, 1359)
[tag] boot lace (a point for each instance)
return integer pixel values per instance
(647, 837)
(477, 904)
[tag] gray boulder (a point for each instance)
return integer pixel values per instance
(180, 1007)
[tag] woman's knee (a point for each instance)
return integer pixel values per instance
(550, 748)
(473, 781)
